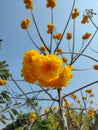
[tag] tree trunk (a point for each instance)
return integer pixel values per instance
(63, 120)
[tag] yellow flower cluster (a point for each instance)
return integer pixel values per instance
(95, 67)
(78, 101)
(84, 97)
(32, 117)
(54, 108)
(75, 14)
(51, 3)
(50, 28)
(46, 70)
(88, 90)
(46, 110)
(85, 19)
(69, 36)
(25, 23)
(61, 80)
(3, 82)
(91, 95)
(59, 50)
(28, 4)
(73, 95)
(86, 35)
(57, 36)
(91, 112)
(65, 59)
(66, 105)
(43, 48)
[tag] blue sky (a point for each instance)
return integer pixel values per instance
(16, 42)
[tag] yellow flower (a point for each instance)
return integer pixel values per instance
(3, 82)
(30, 66)
(85, 19)
(54, 108)
(32, 117)
(73, 95)
(50, 28)
(62, 80)
(91, 112)
(25, 24)
(43, 48)
(88, 90)
(46, 70)
(86, 35)
(46, 110)
(78, 101)
(65, 59)
(84, 97)
(66, 105)
(95, 67)
(28, 4)
(91, 95)
(69, 36)
(50, 66)
(75, 14)
(59, 50)
(51, 3)
(57, 36)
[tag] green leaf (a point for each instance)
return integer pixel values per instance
(15, 112)
(4, 117)
(11, 116)
(3, 121)
(6, 95)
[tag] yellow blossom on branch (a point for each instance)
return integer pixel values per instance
(95, 67)
(50, 28)
(85, 19)
(3, 82)
(84, 97)
(46, 110)
(91, 112)
(57, 36)
(32, 117)
(78, 101)
(62, 80)
(59, 50)
(91, 95)
(86, 36)
(43, 48)
(65, 59)
(29, 69)
(69, 36)
(75, 14)
(54, 108)
(25, 23)
(29, 4)
(49, 66)
(88, 90)
(73, 95)
(47, 70)
(51, 3)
